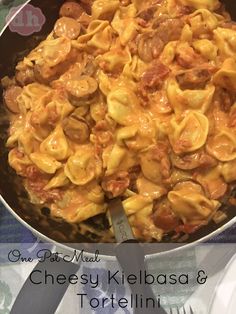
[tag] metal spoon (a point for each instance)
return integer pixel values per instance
(130, 254)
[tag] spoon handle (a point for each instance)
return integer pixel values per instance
(43, 298)
(131, 258)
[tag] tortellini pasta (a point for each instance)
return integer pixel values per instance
(102, 41)
(189, 203)
(103, 9)
(226, 76)
(45, 163)
(77, 206)
(47, 112)
(222, 146)
(27, 142)
(55, 51)
(187, 34)
(168, 54)
(95, 193)
(118, 158)
(136, 203)
(84, 212)
(59, 180)
(56, 144)
(31, 95)
(115, 59)
(202, 4)
(105, 84)
(150, 189)
(18, 161)
(226, 41)
(137, 137)
(122, 105)
(190, 134)
(228, 171)
(206, 48)
(128, 99)
(182, 100)
(82, 167)
(125, 25)
(16, 130)
(98, 35)
(203, 21)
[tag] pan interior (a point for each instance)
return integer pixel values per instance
(13, 48)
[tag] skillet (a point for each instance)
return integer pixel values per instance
(12, 48)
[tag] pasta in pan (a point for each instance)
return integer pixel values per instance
(133, 99)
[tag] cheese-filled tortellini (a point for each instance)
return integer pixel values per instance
(202, 4)
(32, 95)
(95, 28)
(136, 203)
(203, 21)
(76, 206)
(127, 133)
(181, 100)
(82, 167)
(143, 225)
(222, 145)
(123, 105)
(187, 34)
(95, 193)
(102, 40)
(105, 84)
(225, 39)
(27, 141)
(104, 9)
(213, 183)
(228, 171)
(48, 112)
(189, 134)
(117, 158)
(149, 188)
(18, 161)
(84, 212)
(137, 137)
(226, 76)
(56, 144)
(168, 53)
(124, 24)
(115, 59)
(190, 204)
(155, 163)
(151, 169)
(55, 51)
(206, 48)
(59, 180)
(45, 162)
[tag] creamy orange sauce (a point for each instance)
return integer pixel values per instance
(134, 99)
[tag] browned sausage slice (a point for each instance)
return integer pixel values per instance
(71, 9)
(10, 98)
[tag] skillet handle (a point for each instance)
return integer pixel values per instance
(43, 298)
(131, 258)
